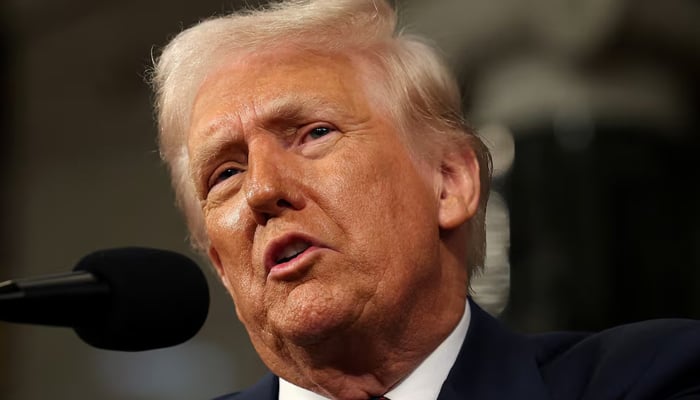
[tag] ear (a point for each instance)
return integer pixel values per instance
(459, 188)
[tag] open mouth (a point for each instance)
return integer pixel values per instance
(291, 251)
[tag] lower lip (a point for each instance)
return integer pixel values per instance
(294, 268)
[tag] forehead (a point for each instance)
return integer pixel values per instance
(258, 86)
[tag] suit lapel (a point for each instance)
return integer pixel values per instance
(493, 364)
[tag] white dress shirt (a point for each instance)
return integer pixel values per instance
(424, 383)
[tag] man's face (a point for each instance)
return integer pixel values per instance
(319, 219)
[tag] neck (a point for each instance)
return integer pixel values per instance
(361, 362)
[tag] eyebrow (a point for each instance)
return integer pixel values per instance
(206, 153)
(295, 108)
(275, 114)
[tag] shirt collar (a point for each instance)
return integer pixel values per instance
(424, 383)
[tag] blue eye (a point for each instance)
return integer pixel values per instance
(319, 132)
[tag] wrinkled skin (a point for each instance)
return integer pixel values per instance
(289, 149)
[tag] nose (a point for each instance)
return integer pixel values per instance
(272, 182)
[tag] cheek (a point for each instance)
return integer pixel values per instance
(232, 238)
(227, 233)
(381, 200)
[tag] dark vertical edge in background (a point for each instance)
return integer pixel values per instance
(7, 130)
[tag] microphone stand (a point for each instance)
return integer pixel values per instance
(75, 298)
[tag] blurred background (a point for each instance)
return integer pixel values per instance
(590, 107)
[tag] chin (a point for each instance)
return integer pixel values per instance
(309, 320)
(311, 335)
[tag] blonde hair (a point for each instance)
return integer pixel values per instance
(419, 90)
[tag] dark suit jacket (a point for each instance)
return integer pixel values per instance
(651, 360)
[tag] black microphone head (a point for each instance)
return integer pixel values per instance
(157, 299)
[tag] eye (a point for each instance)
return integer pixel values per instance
(222, 175)
(317, 132)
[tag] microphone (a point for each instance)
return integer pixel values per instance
(127, 299)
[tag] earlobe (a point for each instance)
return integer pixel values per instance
(460, 188)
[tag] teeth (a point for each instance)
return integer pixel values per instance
(292, 251)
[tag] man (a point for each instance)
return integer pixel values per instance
(324, 167)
